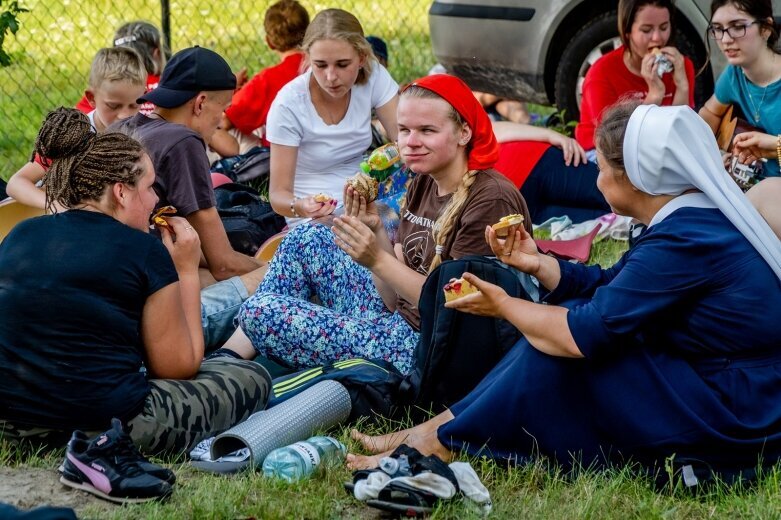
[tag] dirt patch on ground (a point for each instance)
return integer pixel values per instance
(28, 488)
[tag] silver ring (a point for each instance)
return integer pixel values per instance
(188, 227)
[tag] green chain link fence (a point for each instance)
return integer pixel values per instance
(57, 39)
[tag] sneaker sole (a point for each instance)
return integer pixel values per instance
(117, 500)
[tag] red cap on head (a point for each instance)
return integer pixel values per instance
(484, 148)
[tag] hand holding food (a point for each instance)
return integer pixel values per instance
(486, 300)
(314, 206)
(356, 206)
(183, 243)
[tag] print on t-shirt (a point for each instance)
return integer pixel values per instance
(416, 243)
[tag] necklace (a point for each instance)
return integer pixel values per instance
(756, 108)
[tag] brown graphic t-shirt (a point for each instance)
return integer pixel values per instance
(490, 198)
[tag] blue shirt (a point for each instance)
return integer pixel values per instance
(733, 87)
(692, 285)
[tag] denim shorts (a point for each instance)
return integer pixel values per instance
(219, 305)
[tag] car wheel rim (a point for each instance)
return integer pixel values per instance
(596, 53)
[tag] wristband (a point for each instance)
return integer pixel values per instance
(293, 207)
(778, 150)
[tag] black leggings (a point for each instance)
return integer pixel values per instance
(554, 189)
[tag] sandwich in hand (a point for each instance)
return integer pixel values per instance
(502, 228)
(158, 220)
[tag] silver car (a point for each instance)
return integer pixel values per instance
(540, 50)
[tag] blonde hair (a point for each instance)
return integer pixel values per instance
(338, 24)
(117, 64)
(444, 225)
(84, 164)
(144, 38)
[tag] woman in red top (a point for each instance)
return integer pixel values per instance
(632, 70)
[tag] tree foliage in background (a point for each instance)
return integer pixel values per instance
(8, 22)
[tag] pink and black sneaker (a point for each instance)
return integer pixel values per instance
(110, 467)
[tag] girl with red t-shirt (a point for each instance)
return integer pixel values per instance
(632, 70)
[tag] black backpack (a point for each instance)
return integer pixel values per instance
(456, 350)
(248, 220)
(255, 164)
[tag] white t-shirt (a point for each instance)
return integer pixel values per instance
(327, 154)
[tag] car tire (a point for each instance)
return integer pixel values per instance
(597, 38)
(597, 35)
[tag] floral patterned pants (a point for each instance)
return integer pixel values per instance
(351, 321)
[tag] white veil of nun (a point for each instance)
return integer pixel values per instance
(669, 150)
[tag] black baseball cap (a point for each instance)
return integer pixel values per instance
(188, 72)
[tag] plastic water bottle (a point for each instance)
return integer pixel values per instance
(396, 467)
(300, 459)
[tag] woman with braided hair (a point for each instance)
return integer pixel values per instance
(102, 319)
(369, 287)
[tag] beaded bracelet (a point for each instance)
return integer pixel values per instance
(778, 150)
(293, 207)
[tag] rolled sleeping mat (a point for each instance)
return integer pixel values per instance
(319, 407)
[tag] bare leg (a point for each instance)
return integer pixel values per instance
(765, 196)
(426, 443)
(252, 279)
(205, 277)
(514, 111)
(240, 344)
(391, 441)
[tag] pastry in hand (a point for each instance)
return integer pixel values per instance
(458, 288)
(366, 186)
(322, 197)
(158, 220)
(502, 228)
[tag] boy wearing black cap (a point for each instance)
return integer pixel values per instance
(196, 86)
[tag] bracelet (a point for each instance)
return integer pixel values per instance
(293, 207)
(778, 150)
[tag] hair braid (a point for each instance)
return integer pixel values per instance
(84, 164)
(447, 220)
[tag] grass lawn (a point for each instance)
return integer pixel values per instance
(530, 491)
(58, 38)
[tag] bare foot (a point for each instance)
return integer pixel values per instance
(391, 441)
(426, 443)
(355, 462)
(380, 443)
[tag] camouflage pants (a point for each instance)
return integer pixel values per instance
(179, 414)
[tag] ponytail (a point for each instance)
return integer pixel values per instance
(447, 220)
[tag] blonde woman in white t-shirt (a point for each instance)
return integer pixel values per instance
(319, 125)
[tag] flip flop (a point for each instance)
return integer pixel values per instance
(404, 500)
